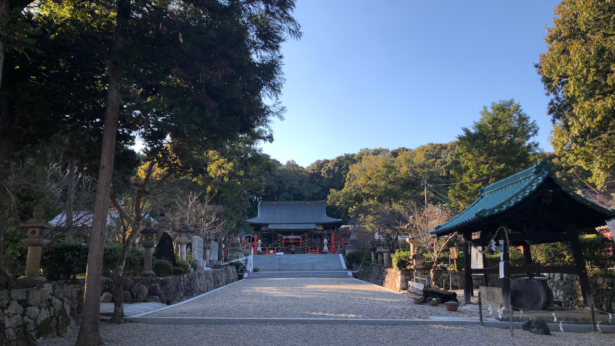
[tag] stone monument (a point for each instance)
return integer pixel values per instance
(352, 243)
(35, 242)
(197, 251)
(164, 249)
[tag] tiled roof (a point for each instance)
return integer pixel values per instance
(506, 193)
(312, 212)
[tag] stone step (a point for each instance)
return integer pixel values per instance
(298, 262)
(298, 274)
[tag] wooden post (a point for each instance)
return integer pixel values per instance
(469, 286)
(527, 257)
(506, 294)
(579, 262)
(485, 277)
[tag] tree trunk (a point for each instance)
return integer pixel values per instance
(89, 333)
(70, 200)
(6, 146)
(4, 13)
(118, 290)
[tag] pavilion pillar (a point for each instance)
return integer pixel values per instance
(485, 277)
(579, 262)
(468, 289)
(527, 256)
(505, 262)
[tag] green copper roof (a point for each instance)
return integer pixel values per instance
(506, 193)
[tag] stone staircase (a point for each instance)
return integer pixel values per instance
(298, 263)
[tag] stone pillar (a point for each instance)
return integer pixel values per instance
(387, 257)
(374, 259)
(148, 242)
(325, 249)
(35, 242)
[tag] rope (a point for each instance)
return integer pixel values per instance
(482, 252)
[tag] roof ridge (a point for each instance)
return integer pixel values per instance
(516, 178)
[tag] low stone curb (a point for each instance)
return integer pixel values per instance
(568, 328)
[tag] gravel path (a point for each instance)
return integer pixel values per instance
(307, 298)
(135, 334)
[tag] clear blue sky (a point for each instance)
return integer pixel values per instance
(401, 73)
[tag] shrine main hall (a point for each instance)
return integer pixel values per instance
(302, 226)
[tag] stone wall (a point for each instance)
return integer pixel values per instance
(567, 290)
(441, 276)
(172, 289)
(29, 314)
(385, 277)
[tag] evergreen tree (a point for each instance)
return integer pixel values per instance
(495, 147)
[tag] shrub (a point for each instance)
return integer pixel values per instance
(255, 269)
(63, 261)
(163, 268)
(178, 271)
(15, 253)
(193, 264)
(358, 257)
(134, 260)
(401, 259)
(184, 265)
(594, 247)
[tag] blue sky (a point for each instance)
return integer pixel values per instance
(401, 73)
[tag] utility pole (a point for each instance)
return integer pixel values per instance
(425, 193)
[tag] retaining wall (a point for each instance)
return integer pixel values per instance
(29, 314)
(567, 290)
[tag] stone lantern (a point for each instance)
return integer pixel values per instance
(380, 254)
(148, 236)
(259, 250)
(182, 240)
(325, 249)
(353, 243)
(35, 242)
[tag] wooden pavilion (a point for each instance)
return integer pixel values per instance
(525, 209)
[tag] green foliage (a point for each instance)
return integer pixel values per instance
(357, 257)
(134, 261)
(64, 261)
(495, 147)
(15, 253)
(594, 248)
(255, 269)
(577, 72)
(178, 271)
(401, 259)
(193, 264)
(163, 268)
(184, 265)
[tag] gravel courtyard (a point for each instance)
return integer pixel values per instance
(135, 334)
(307, 298)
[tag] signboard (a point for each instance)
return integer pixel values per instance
(477, 258)
(453, 251)
(501, 269)
(415, 287)
(611, 224)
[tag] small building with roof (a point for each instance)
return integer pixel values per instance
(304, 224)
(526, 209)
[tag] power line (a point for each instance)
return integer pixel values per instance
(433, 192)
(463, 182)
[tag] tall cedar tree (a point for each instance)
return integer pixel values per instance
(265, 24)
(577, 72)
(497, 146)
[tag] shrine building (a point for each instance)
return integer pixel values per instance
(304, 226)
